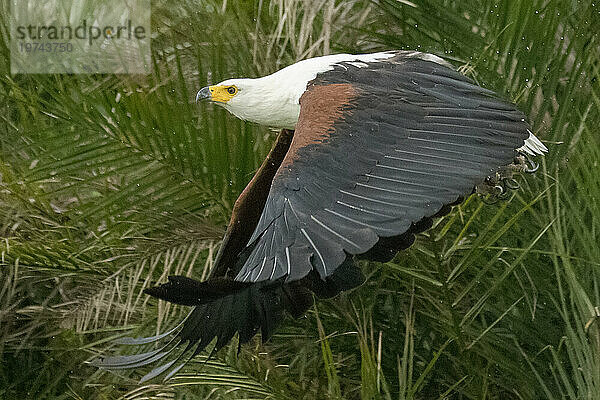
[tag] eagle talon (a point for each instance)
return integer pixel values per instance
(511, 183)
(505, 193)
(531, 166)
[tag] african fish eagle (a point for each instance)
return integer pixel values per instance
(372, 148)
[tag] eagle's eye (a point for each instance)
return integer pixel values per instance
(232, 90)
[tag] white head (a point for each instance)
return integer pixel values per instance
(256, 100)
(274, 100)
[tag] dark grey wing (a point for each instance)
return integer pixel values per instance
(377, 149)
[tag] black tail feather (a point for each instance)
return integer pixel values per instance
(189, 292)
(223, 307)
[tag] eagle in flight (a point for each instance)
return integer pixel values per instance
(372, 148)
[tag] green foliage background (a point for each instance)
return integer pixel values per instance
(110, 183)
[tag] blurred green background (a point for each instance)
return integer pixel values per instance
(110, 183)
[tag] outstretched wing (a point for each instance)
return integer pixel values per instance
(378, 148)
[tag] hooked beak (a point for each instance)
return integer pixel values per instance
(203, 94)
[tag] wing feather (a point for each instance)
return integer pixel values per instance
(415, 137)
